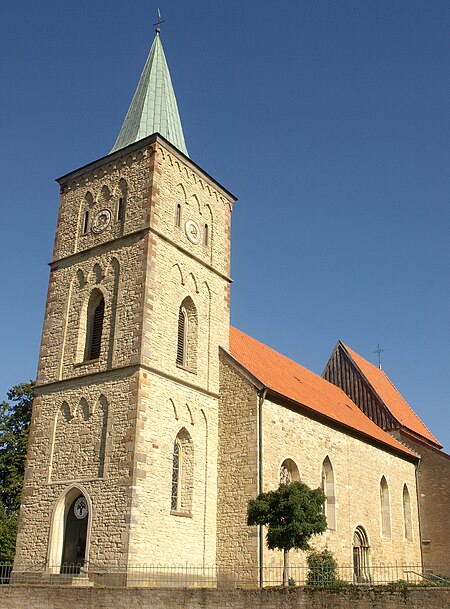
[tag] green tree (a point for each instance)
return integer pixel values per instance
(15, 417)
(292, 514)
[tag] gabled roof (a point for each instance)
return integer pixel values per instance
(391, 397)
(287, 378)
(154, 107)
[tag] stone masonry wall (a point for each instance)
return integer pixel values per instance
(288, 434)
(237, 544)
(25, 597)
(358, 467)
(58, 457)
(107, 426)
(159, 535)
(434, 492)
(179, 268)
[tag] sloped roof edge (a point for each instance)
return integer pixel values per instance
(363, 427)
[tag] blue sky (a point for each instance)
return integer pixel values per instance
(329, 120)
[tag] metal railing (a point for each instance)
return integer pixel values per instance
(192, 576)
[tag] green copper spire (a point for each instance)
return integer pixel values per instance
(154, 107)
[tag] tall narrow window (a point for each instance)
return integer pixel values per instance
(329, 492)
(385, 508)
(120, 210)
(176, 475)
(407, 520)
(206, 235)
(360, 556)
(182, 474)
(121, 205)
(178, 215)
(85, 222)
(96, 313)
(181, 344)
(187, 335)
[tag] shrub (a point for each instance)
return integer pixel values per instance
(322, 569)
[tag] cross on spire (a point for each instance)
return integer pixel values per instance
(379, 351)
(158, 23)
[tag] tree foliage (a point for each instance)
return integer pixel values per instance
(292, 514)
(15, 417)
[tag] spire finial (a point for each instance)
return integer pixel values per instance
(379, 351)
(158, 23)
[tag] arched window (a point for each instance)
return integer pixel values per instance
(385, 508)
(329, 492)
(360, 556)
(206, 235)
(95, 317)
(289, 472)
(178, 215)
(407, 520)
(123, 187)
(88, 203)
(120, 209)
(187, 335)
(182, 473)
(85, 222)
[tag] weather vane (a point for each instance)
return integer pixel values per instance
(379, 351)
(158, 23)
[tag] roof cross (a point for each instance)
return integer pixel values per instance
(379, 351)
(158, 23)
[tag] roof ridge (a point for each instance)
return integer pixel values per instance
(406, 402)
(313, 392)
(373, 377)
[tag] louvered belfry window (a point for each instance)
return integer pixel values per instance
(96, 330)
(181, 344)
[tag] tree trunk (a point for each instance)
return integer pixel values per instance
(285, 567)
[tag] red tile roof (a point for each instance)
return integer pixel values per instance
(391, 397)
(289, 379)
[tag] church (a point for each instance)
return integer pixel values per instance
(154, 421)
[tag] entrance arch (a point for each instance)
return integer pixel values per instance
(360, 556)
(70, 531)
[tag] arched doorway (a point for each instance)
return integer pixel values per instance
(75, 534)
(360, 556)
(68, 547)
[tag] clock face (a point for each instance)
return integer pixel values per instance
(101, 221)
(192, 231)
(80, 508)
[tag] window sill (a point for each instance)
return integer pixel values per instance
(86, 362)
(191, 370)
(182, 514)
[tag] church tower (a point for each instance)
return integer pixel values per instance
(122, 458)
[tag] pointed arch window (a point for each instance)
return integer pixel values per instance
(385, 508)
(187, 335)
(407, 519)
(329, 492)
(95, 319)
(206, 235)
(176, 475)
(182, 474)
